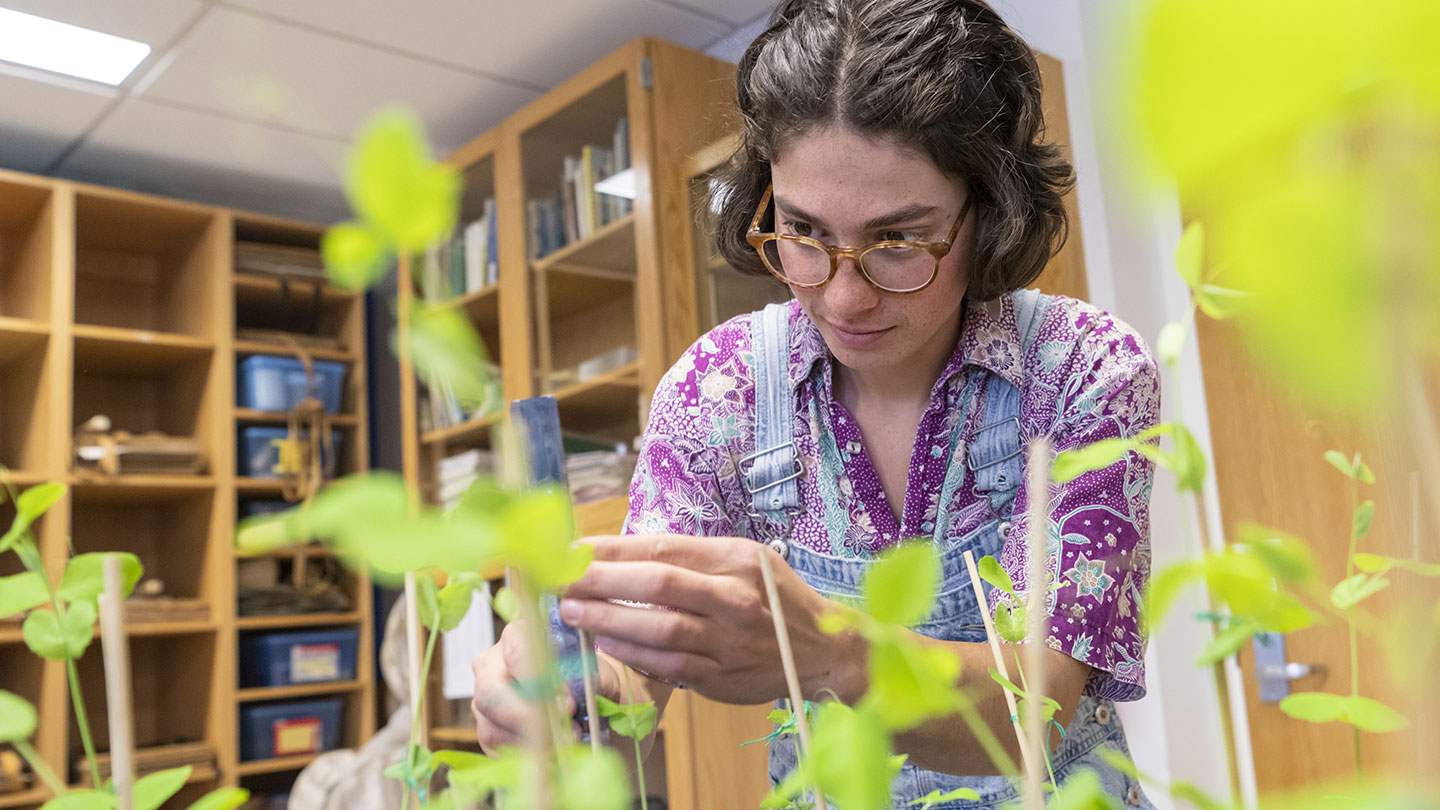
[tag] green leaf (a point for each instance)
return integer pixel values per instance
(1221, 303)
(1165, 587)
(1071, 464)
(1012, 622)
(17, 718)
(599, 782)
(1190, 254)
(1338, 460)
(783, 795)
(934, 797)
(1083, 791)
(1364, 515)
(505, 604)
(48, 636)
(395, 186)
(1189, 460)
(153, 790)
(445, 346)
(454, 601)
(633, 720)
(1006, 683)
(1363, 473)
(33, 502)
(1118, 761)
(1362, 712)
(21, 592)
(1287, 557)
(900, 588)
(497, 772)
(261, 534)
(225, 798)
(84, 578)
(355, 256)
(781, 716)
(1352, 590)
(536, 534)
(1170, 343)
(992, 572)
(910, 682)
(849, 757)
(1375, 563)
(1227, 642)
(458, 760)
(81, 800)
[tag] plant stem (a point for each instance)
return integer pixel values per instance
(639, 758)
(1049, 765)
(1000, 668)
(1354, 645)
(72, 673)
(42, 768)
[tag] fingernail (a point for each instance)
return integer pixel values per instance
(571, 610)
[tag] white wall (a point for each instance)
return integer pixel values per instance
(1175, 733)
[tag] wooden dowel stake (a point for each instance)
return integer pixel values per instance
(119, 702)
(999, 657)
(787, 659)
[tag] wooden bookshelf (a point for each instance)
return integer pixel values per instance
(278, 765)
(127, 305)
(594, 295)
(301, 691)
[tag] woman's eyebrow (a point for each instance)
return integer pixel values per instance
(909, 213)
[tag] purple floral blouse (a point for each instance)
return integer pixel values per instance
(1087, 376)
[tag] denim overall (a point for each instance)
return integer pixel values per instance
(996, 456)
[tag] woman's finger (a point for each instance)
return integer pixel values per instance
(653, 583)
(672, 665)
(647, 626)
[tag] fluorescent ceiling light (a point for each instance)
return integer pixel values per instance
(618, 185)
(68, 49)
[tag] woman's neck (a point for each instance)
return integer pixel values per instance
(909, 381)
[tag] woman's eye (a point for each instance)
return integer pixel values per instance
(798, 228)
(899, 236)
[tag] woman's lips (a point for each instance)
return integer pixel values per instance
(858, 337)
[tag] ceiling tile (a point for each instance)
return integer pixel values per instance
(737, 12)
(178, 152)
(248, 66)
(537, 42)
(39, 119)
(153, 22)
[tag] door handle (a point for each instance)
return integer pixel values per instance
(1273, 673)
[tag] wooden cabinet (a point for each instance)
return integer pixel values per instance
(127, 305)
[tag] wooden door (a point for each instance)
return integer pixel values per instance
(1269, 468)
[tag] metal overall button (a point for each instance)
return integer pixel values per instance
(1102, 714)
(781, 545)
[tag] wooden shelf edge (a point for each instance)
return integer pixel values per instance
(12, 325)
(270, 284)
(247, 347)
(286, 620)
(281, 417)
(565, 254)
(133, 629)
(628, 374)
(141, 337)
(468, 429)
(462, 301)
(140, 485)
(454, 734)
(34, 795)
(257, 693)
(278, 765)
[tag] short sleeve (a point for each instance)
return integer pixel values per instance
(676, 485)
(1100, 521)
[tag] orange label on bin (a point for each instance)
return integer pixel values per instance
(300, 735)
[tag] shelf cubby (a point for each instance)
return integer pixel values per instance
(27, 249)
(172, 679)
(146, 264)
(26, 402)
(169, 532)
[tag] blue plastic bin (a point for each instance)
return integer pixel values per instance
(307, 656)
(269, 730)
(269, 383)
(253, 508)
(259, 455)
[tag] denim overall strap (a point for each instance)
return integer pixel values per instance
(769, 473)
(996, 453)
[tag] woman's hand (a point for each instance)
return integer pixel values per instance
(718, 637)
(501, 714)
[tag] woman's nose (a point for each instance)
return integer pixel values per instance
(848, 292)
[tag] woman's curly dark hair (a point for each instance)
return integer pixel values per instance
(946, 77)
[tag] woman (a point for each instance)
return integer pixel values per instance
(903, 383)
